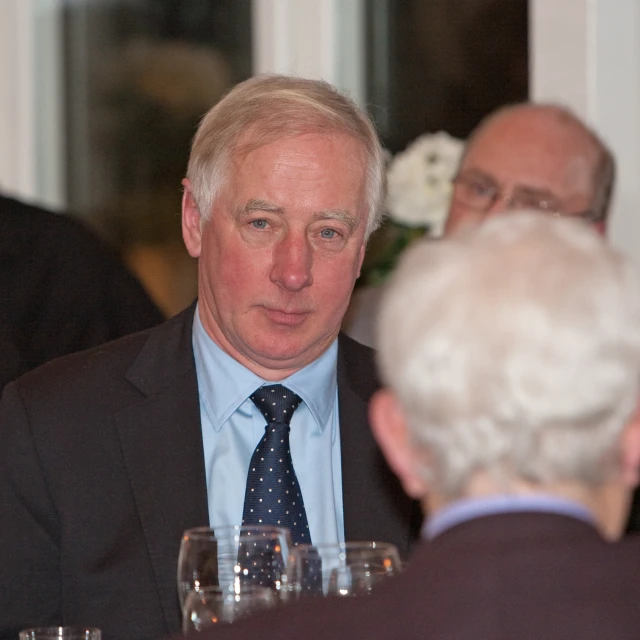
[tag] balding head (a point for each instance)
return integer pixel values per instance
(533, 156)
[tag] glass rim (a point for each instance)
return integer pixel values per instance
(202, 533)
(362, 545)
(60, 631)
(250, 589)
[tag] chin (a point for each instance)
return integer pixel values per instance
(283, 355)
(287, 352)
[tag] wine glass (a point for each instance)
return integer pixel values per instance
(209, 606)
(232, 557)
(342, 569)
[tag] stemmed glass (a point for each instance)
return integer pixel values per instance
(232, 558)
(209, 606)
(343, 569)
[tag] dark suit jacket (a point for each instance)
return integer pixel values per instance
(633, 524)
(101, 470)
(504, 577)
(61, 290)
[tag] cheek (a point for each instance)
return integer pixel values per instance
(240, 273)
(232, 269)
(453, 218)
(460, 216)
(334, 282)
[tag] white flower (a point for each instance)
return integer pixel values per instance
(420, 181)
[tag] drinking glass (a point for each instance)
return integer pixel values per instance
(215, 605)
(343, 569)
(60, 633)
(233, 557)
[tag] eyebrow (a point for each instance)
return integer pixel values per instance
(257, 204)
(340, 215)
(533, 191)
(476, 173)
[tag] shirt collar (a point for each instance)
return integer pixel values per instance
(469, 508)
(224, 384)
(316, 384)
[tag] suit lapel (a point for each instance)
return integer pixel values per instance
(375, 506)
(162, 448)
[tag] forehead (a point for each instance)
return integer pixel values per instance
(535, 149)
(322, 171)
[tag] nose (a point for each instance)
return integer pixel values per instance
(292, 262)
(501, 204)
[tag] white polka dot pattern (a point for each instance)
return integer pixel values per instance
(273, 493)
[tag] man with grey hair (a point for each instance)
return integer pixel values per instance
(108, 456)
(511, 359)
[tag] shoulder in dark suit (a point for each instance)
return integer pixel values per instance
(524, 576)
(101, 470)
(62, 290)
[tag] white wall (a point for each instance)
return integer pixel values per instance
(31, 122)
(322, 39)
(586, 54)
(17, 165)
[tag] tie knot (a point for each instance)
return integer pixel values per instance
(276, 403)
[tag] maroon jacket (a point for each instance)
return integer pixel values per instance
(525, 576)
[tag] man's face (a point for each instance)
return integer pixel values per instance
(281, 251)
(530, 156)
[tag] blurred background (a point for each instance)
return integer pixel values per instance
(99, 99)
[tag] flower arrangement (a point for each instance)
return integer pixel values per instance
(419, 192)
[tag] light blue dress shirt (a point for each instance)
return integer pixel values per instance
(232, 426)
(469, 508)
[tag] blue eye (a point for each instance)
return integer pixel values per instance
(329, 234)
(259, 224)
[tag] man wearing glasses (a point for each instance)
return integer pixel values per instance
(526, 156)
(529, 156)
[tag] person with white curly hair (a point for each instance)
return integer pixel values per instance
(510, 354)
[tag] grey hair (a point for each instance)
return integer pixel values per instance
(604, 170)
(268, 108)
(514, 350)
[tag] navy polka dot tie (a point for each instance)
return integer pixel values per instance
(273, 494)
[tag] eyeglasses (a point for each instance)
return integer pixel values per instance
(480, 193)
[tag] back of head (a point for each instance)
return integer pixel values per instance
(514, 350)
(268, 108)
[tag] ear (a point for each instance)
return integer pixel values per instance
(601, 227)
(630, 450)
(191, 221)
(363, 249)
(390, 431)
